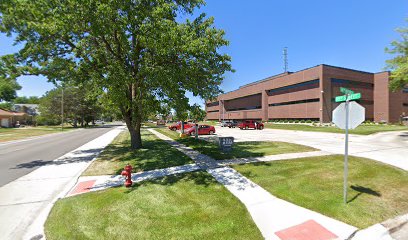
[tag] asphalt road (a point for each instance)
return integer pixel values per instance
(20, 158)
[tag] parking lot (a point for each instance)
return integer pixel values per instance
(387, 147)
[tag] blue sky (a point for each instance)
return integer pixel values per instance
(346, 33)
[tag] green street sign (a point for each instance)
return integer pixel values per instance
(341, 98)
(351, 97)
(346, 91)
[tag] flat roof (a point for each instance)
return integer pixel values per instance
(287, 73)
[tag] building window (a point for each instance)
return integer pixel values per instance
(349, 83)
(213, 111)
(405, 104)
(294, 102)
(213, 104)
(245, 108)
(405, 90)
(294, 88)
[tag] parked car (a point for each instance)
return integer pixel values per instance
(99, 122)
(233, 124)
(251, 124)
(225, 123)
(202, 130)
(177, 126)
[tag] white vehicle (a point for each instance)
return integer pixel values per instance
(225, 123)
(99, 122)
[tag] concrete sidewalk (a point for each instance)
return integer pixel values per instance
(26, 202)
(96, 183)
(275, 218)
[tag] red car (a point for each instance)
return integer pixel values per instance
(202, 130)
(177, 126)
(251, 124)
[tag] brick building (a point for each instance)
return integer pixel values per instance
(309, 94)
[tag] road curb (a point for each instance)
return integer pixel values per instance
(36, 230)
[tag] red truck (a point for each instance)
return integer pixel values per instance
(177, 126)
(251, 124)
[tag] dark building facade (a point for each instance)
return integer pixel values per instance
(309, 94)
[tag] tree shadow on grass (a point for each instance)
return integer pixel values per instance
(212, 149)
(199, 178)
(155, 154)
(362, 190)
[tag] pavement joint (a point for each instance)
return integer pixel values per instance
(269, 213)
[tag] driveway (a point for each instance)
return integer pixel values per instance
(387, 147)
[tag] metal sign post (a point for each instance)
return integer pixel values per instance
(196, 131)
(346, 152)
(348, 115)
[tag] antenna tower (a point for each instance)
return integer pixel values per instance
(285, 59)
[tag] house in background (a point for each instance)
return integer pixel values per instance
(6, 118)
(10, 119)
(30, 109)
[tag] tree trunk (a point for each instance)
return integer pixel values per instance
(135, 136)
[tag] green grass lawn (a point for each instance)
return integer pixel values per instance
(186, 206)
(11, 134)
(376, 191)
(240, 149)
(364, 129)
(154, 154)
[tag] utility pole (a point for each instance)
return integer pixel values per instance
(62, 109)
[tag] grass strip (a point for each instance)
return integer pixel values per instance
(185, 206)
(155, 154)
(376, 191)
(240, 149)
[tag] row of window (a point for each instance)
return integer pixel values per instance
(294, 102)
(213, 104)
(344, 83)
(294, 88)
(244, 108)
(213, 111)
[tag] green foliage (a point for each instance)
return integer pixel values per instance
(8, 82)
(197, 113)
(80, 106)
(27, 100)
(399, 64)
(5, 105)
(138, 52)
(48, 120)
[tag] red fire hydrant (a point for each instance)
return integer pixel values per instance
(127, 172)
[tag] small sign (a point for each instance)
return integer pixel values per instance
(226, 143)
(343, 98)
(346, 91)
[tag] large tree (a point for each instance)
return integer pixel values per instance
(80, 105)
(399, 64)
(8, 82)
(140, 52)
